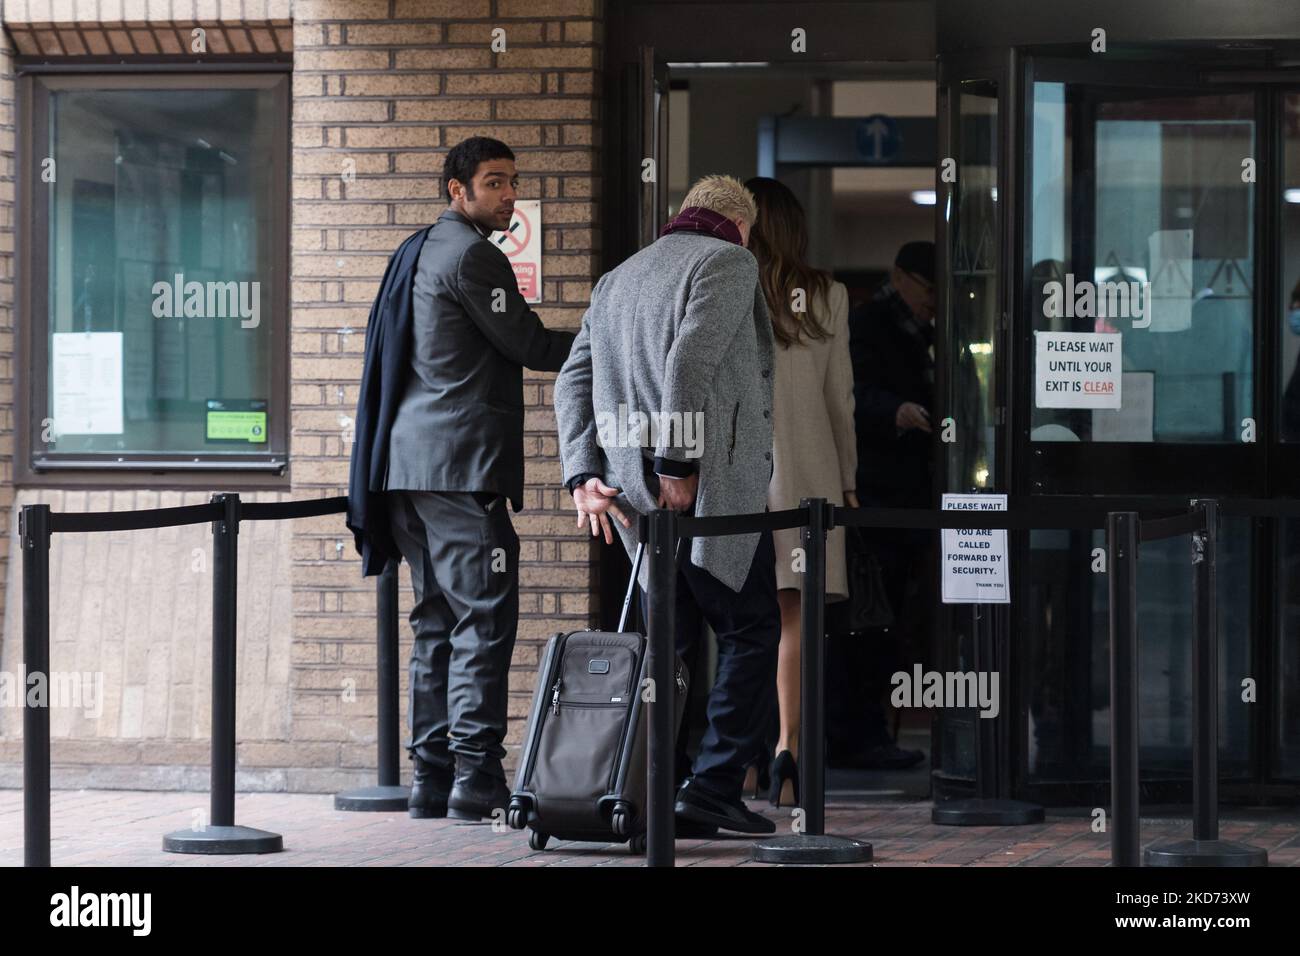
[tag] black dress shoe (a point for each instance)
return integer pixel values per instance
(429, 789)
(476, 794)
(684, 829)
(705, 807)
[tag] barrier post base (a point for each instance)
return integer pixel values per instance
(985, 812)
(1205, 853)
(223, 840)
(378, 799)
(807, 848)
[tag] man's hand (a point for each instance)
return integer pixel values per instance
(851, 499)
(595, 503)
(912, 415)
(678, 494)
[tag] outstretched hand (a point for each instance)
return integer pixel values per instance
(595, 503)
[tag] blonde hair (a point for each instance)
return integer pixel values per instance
(725, 195)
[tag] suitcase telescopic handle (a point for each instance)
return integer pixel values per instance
(631, 581)
(631, 585)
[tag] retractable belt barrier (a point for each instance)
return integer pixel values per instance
(36, 527)
(661, 530)
(1124, 530)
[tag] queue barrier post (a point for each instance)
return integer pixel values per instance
(34, 533)
(1205, 848)
(1122, 554)
(661, 627)
(219, 834)
(388, 795)
(810, 842)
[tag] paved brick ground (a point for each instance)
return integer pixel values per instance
(125, 828)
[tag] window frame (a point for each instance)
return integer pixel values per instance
(256, 470)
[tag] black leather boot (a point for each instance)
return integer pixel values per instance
(429, 790)
(476, 794)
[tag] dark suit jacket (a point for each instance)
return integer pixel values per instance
(460, 424)
(891, 365)
(388, 356)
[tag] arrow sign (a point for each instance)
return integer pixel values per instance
(878, 139)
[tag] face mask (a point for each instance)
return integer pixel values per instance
(1293, 320)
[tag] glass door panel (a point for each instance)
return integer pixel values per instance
(1142, 226)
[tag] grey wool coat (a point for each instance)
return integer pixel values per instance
(679, 329)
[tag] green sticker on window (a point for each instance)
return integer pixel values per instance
(236, 421)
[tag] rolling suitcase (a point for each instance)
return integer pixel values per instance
(582, 775)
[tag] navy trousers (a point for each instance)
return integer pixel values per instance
(747, 625)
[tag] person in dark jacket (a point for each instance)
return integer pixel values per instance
(454, 457)
(891, 342)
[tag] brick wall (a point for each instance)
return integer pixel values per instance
(8, 527)
(387, 87)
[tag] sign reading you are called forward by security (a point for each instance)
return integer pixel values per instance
(974, 567)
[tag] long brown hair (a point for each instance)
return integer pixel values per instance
(779, 241)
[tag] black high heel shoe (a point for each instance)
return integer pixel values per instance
(783, 768)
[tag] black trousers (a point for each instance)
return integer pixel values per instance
(464, 559)
(747, 625)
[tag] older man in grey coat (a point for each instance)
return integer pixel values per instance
(665, 401)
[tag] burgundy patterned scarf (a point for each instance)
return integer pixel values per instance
(705, 221)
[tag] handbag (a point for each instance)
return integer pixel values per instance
(869, 605)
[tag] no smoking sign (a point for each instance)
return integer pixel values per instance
(522, 244)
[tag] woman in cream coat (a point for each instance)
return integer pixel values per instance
(814, 448)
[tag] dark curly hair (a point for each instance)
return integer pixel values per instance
(464, 158)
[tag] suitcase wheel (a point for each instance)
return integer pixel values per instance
(517, 815)
(621, 818)
(636, 845)
(537, 840)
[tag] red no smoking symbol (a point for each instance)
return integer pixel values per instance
(515, 239)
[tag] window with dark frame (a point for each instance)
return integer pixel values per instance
(156, 273)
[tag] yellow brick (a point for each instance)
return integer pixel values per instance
(433, 9)
(420, 162)
(393, 188)
(537, 9)
(482, 33)
(340, 111)
(340, 10)
(327, 265)
(455, 83)
(393, 34)
(552, 57)
(307, 60)
(329, 213)
(566, 108)
(513, 136)
(331, 163)
(369, 239)
(450, 58)
(366, 84)
(442, 109)
(579, 31)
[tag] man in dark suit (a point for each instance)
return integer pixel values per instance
(455, 455)
(891, 340)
